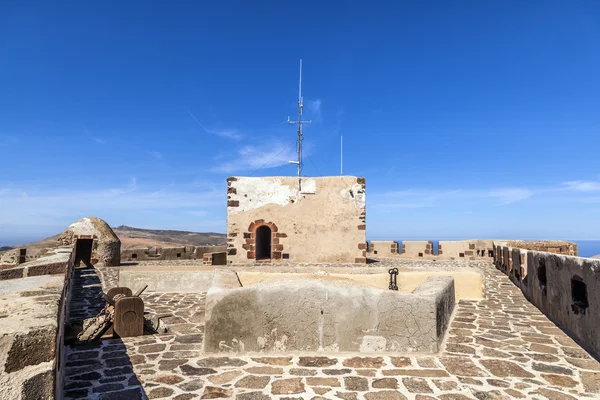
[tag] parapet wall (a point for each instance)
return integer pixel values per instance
(33, 301)
(335, 316)
(382, 248)
(565, 288)
(169, 253)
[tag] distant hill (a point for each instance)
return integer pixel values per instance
(597, 256)
(5, 248)
(137, 237)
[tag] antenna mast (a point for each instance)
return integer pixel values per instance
(299, 123)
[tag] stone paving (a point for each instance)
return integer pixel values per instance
(500, 347)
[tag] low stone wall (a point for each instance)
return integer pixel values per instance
(34, 311)
(169, 253)
(335, 316)
(565, 288)
(549, 246)
(417, 248)
(167, 279)
(381, 248)
(219, 258)
(466, 248)
(53, 262)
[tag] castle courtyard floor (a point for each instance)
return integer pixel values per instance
(500, 347)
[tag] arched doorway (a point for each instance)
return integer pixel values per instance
(263, 243)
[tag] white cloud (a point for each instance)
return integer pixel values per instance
(99, 140)
(314, 105)
(226, 133)
(251, 158)
(24, 208)
(421, 198)
(582, 186)
(510, 195)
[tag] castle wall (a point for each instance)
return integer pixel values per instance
(323, 220)
(32, 332)
(465, 248)
(565, 288)
(413, 248)
(169, 253)
(382, 248)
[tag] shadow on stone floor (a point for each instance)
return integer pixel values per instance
(99, 369)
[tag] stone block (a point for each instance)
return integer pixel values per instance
(31, 348)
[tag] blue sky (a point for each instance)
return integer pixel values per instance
(467, 118)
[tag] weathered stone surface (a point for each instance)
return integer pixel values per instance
(189, 370)
(427, 373)
(553, 394)
(225, 377)
(192, 386)
(491, 395)
(416, 385)
(584, 364)
(265, 370)
(347, 395)
(445, 385)
(152, 348)
(169, 365)
(252, 396)
(160, 393)
(363, 362)
(287, 386)
(356, 384)
(367, 327)
(498, 383)
(400, 361)
(453, 396)
(540, 348)
(107, 248)
(459, 348)
(169, 379)
(385, 395)
(274, 360)
(216, 362)
(505, 369)
(591, 381)
(461, 366)
(515, 393)
(31, 348)
(184, 396)
(40, 386)
(385, 383)
(253, 382)
(333, 382)
(212, 392)
(559, 380)
(316, 361)
(334, 371)
(553, 369)
(302, 371)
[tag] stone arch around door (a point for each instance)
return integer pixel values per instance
(262, 241)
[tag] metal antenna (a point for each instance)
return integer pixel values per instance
(299, 123)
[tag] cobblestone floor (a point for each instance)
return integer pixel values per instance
(499, 347)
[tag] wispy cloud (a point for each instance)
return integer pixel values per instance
(156, 154)
(226, 133)
(26, 207)
(98, 140)
(582, 186)
(421, 198)
(251, 158)
(314, 105)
